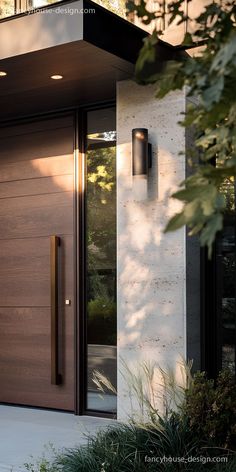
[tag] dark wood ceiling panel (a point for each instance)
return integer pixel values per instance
(90, 66)
(89, 74)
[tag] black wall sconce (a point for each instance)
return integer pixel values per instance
(141, 151)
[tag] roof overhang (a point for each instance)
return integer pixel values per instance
(92, 51)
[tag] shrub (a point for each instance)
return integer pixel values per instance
(211, 409)
(201, 428)
(130, 448)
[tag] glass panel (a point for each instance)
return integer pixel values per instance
(41, 3)
(101, 257)
(6, 8)
(228, 189)
(227, 249)
(116, 6)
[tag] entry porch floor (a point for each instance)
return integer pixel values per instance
(24, 432)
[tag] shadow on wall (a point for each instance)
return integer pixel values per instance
(151, 265)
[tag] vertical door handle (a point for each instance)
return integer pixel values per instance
(54, 244)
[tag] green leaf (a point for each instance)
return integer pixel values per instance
(225, 55)
(188, 40)
(213, 93)
(208, 234)
(176, 222)
(172, 79)
(147, 53)
(210, 78)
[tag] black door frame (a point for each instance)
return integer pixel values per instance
(81, 263)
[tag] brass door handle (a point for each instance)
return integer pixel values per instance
(55, 376)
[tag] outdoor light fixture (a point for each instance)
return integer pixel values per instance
(141, 151)
(57, 77)
(3, 73)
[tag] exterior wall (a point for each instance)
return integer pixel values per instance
(151, 265)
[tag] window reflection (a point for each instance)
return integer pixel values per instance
(7, 8)
(226, 278)
(101, 256)
(226, 247)
(41, 3)
(11, 7)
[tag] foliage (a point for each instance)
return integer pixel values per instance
(43, 464)
(123, 448)
(101, 217)
(116, 6)
(208, 407)
(102, 321)
(101, 242)
(200, 425)
(210, 79)
(127, 448)
(151, 389)
(212, 409)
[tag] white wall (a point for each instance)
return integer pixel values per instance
(151, 265)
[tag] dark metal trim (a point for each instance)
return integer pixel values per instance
(101, 414)
(54, 244)
(51, 113)
(81, 320)
(75, 248)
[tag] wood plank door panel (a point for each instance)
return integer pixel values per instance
(36, 201)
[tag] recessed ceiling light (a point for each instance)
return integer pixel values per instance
(57, 77)
(3, 73)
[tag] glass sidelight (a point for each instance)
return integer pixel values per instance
(40, 3)
(101, 260)
(219, 290)
(226, 293)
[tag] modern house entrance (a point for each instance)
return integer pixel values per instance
(85, 269)
(58, 259)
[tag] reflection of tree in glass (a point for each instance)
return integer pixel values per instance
(6, 8)
(229, 275)
(229, 312)
(101, 208)
(102, 321)
(116, 6)
(101, 245)
(228, 190)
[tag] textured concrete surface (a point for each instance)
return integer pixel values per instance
(151, 265)
(25, 432)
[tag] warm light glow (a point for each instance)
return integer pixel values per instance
(57, 77)
(139, 135)
(3, 73)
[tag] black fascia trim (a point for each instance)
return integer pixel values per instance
(116, 35)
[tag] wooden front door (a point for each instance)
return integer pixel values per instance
(36, 202)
